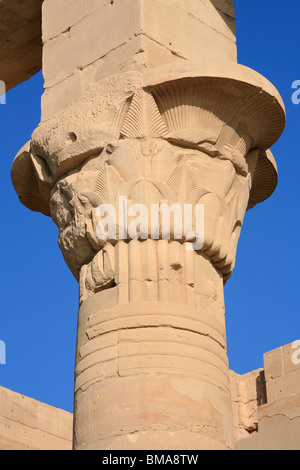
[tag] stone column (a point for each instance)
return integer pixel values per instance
(145, 107)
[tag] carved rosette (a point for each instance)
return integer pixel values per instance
(177, 135)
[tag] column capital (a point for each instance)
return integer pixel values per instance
(209, 127)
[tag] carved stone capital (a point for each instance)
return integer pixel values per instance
(192, 134)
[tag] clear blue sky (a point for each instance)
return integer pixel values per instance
(39, 297)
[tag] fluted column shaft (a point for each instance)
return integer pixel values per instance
(151, 366)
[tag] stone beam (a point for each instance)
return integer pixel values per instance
(20, 30)
(80, 51)
(20, 40)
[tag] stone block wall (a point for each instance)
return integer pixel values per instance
(80, 49)
(27, 424)
(278, 417)
(248, 392)
(266, 411)
(282, 372)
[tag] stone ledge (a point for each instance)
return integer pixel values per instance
(278, 419)
(27, 424)
(20, 40)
